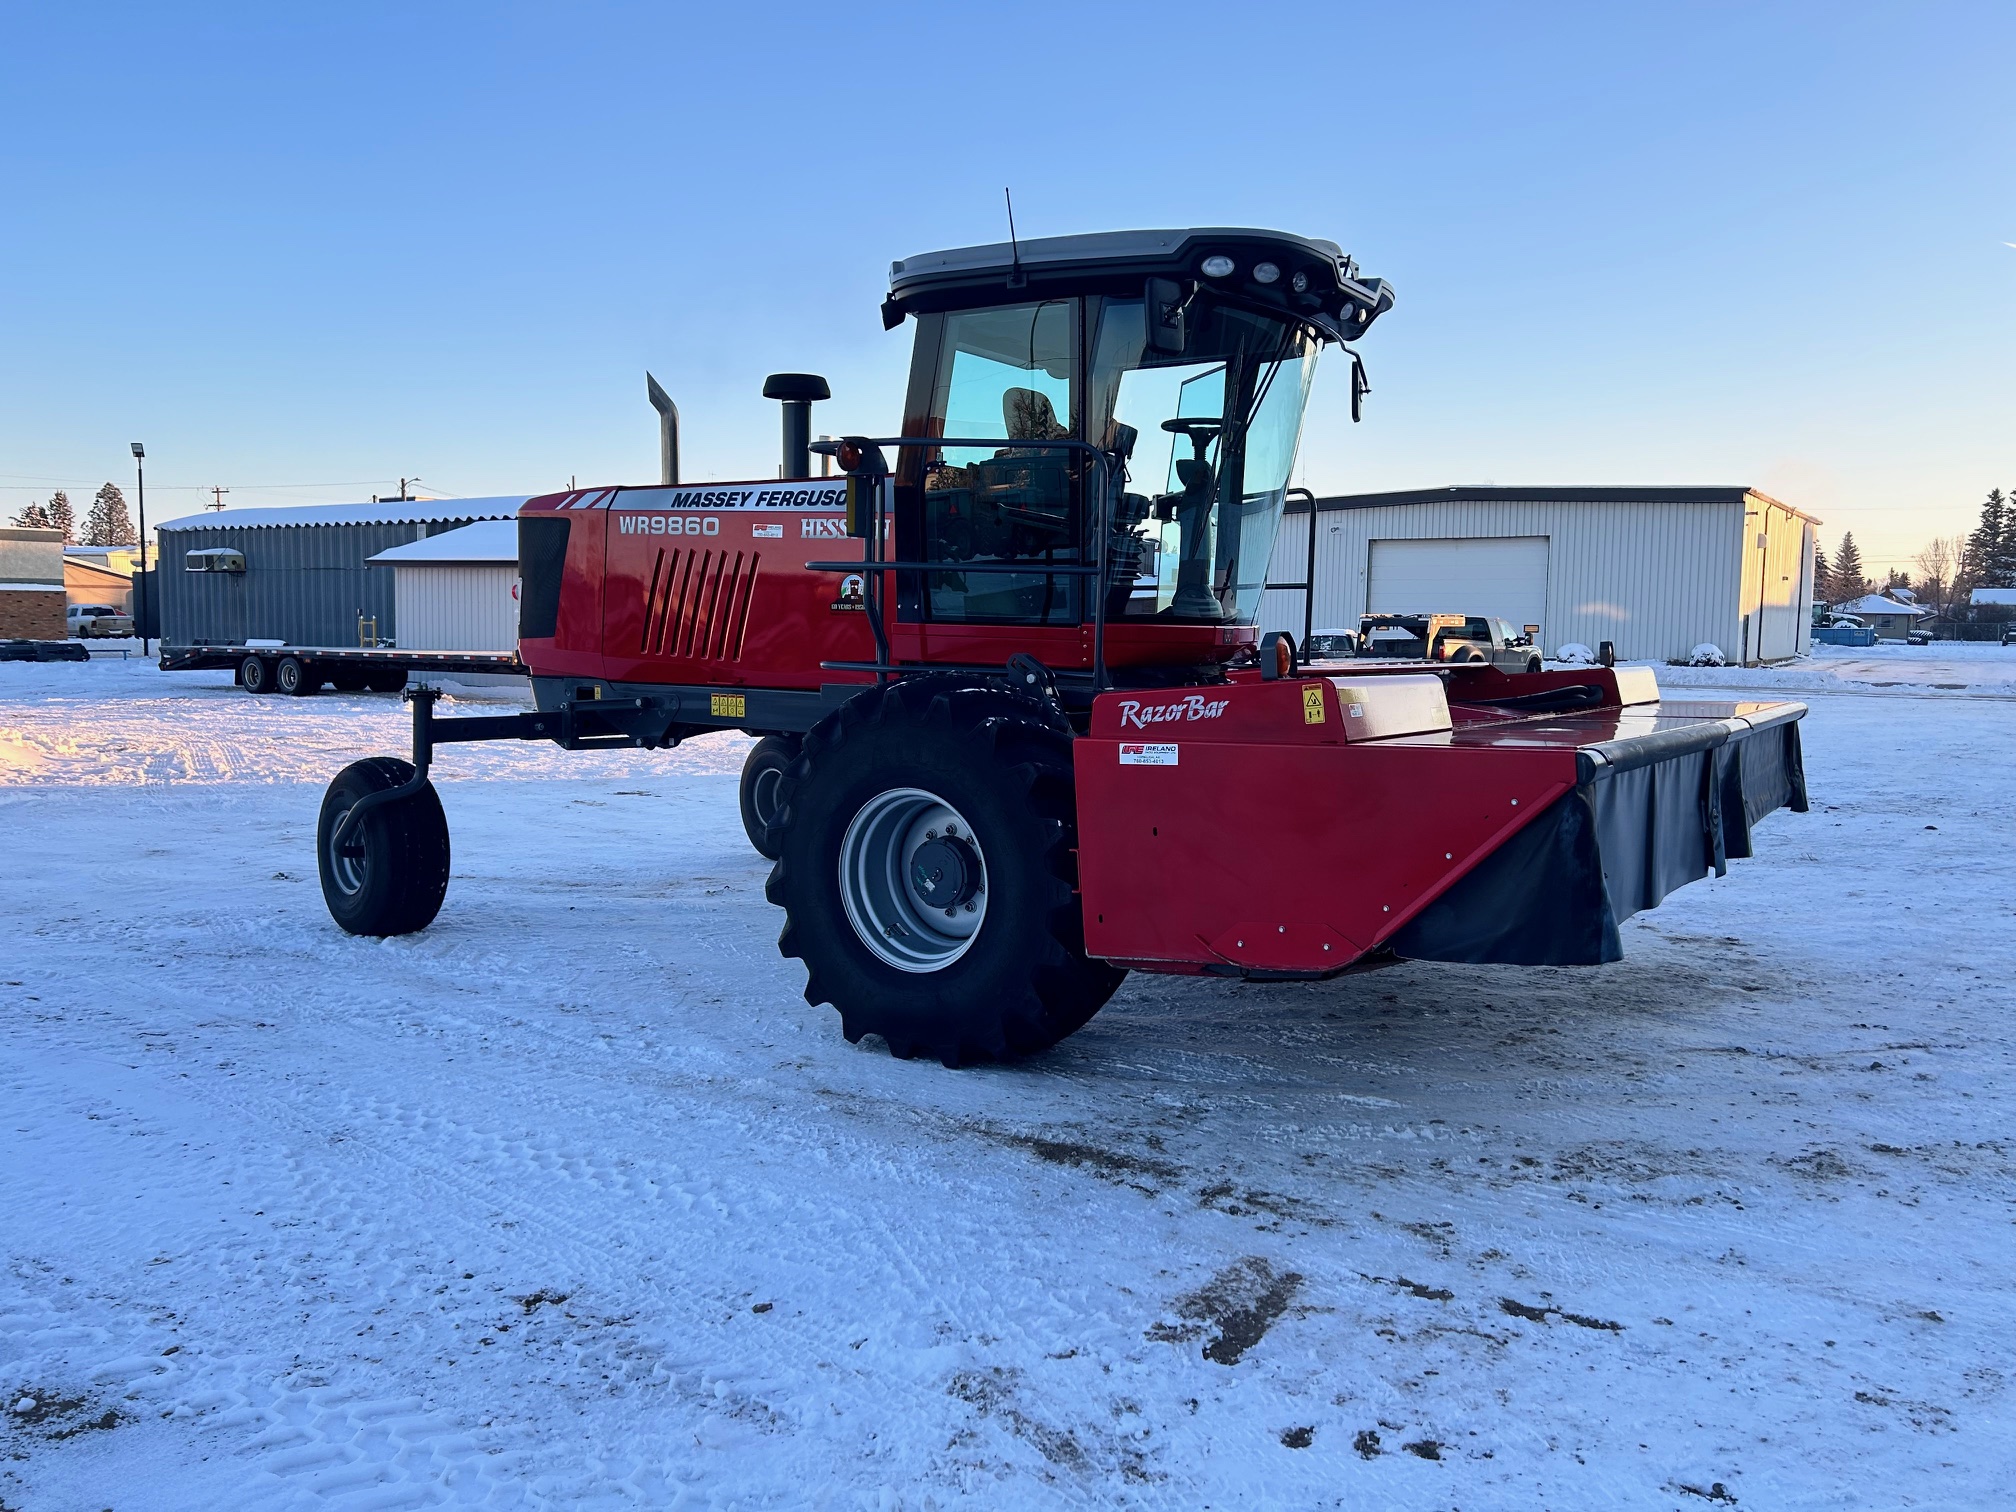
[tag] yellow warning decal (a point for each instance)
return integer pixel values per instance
(1312, 703)
(730, 706)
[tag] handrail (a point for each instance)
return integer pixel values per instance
(1018, 569)
(1101, 524)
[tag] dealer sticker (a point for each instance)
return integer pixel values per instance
(1147, 755)
(774, 531)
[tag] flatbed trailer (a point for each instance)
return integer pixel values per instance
(276, 667)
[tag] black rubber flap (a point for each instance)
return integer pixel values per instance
(1554, 894)
(1538, 900)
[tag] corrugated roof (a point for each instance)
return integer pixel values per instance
(485, 541)
(391, 512)
(1554, 493)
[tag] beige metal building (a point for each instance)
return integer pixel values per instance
(456, 591)
(1655, 571)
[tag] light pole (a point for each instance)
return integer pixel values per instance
(140, 490)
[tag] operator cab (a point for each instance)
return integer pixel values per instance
(1184, 357)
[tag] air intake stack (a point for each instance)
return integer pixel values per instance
(799, 391)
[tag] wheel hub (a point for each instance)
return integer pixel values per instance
(913, 879)
(944, 871)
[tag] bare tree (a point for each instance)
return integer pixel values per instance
(1936, 563)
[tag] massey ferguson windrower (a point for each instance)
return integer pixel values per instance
(1020, 733)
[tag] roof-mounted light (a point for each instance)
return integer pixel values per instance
(1217, 266)
(1266, 272)
(1299, 283)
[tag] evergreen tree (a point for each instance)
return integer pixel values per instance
(1991, 549)
(108, 523)
(1847, 580)
(1823, 576)
(33, 516)
(62, 517)
(2000, 567)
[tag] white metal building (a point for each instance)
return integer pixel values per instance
(1655, 571)
(457, 591)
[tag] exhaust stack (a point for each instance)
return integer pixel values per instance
(668, 430)
(799, 391)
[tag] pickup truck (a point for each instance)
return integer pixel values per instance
(1449, 638)
(98, 619)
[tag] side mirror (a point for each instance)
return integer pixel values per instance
(1166, 300)
(1359, 388)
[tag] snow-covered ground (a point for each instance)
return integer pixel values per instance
(573, 1202)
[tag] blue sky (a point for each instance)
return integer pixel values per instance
(1762, 244)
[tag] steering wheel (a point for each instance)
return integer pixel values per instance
(1200, 432)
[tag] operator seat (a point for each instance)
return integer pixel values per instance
(1029, 415)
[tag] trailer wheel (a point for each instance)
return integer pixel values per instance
(391, 681)
(347, 680)
(761, 775)
(255, 675)
(390, 875)
(296, 678)
(1532, 664)
(926, 834)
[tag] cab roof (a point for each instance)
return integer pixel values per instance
(1334, 297)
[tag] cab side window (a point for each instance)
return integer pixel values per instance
(1004, 374)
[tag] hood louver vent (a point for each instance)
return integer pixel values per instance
(696, 604)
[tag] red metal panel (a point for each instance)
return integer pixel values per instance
(726, 601)
(1238, 825)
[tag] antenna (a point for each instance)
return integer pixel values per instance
(1015, 277)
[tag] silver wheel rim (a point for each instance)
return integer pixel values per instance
(763, 795)
(288, 676)
(346, 867)
(885, 894)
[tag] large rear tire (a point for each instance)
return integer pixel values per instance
(762, 774)
(255, 675)
(926, 836)
(391, 873)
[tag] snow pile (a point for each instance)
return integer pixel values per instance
(1707, 654)
(572, 1201)
(1575, 654)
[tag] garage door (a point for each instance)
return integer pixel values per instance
(1504, 576)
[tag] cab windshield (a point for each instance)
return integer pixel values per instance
(1213, 431)
(1207, 433)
